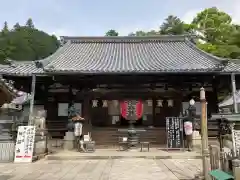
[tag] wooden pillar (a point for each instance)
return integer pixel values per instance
(154, 111)
(215, 83)
(86, 114)
(234, 93)
(30, 121)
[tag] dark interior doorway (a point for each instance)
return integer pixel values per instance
(125, 122)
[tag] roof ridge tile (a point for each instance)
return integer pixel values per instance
(121, 39)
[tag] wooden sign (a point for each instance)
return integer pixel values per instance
(25, 144)
(174, 130)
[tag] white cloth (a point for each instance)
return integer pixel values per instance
(78, 129)
(188, 128)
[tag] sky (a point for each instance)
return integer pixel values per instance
(95, 17)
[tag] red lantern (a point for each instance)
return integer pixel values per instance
(124, 107)
(132, 109)
(139, 109)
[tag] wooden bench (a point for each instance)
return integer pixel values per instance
(221, 175)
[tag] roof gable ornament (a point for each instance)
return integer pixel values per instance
(38, 64)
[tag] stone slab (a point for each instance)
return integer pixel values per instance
(114, 154)
(112, 169)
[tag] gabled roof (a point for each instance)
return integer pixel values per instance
(130, 55)
(96, 55)
(233, 66)
(21, 68)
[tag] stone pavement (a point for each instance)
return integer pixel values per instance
(106, 169)
(154, 153)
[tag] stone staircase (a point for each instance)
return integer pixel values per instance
(110, 136)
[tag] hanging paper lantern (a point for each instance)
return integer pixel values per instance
(94, 103)
(104, 103)
(124, 107)
(132, 110)
(170, 103)
(160, 103)
(139, 109)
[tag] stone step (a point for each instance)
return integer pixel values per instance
(111, 136)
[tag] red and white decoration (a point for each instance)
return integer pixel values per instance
(132, 109)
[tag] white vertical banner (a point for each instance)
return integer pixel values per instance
(24, 144)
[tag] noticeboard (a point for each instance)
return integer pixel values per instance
(25, 144)
(174, 130)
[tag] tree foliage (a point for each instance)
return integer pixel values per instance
(214, 28)
(174, 26)
(25, 43)
(112, 32)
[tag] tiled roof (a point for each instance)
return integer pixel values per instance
(123, 55)
(232, 67)
(130, 54)
(21, 68)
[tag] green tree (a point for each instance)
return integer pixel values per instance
(29, 23)
(16, 26)
(5, 29)
(25, 43)
(111, 32)
(175, 26)
(143, 33)
(219, 34)
(215, 25)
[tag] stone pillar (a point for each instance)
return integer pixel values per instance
(197, 141)
(69, 141)
(236, 168)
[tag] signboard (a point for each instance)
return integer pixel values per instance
(24, 144)
(236, 135)
(174, 129)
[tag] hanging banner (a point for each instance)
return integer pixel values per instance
(24, 144)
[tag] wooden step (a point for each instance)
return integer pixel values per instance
(104, 136)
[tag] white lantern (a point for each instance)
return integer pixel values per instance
(94, 103)
(170, 103)
(149, 103)
(160, 103)
(192, 102)
(104, 103)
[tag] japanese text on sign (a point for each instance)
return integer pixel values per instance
(24, 144)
